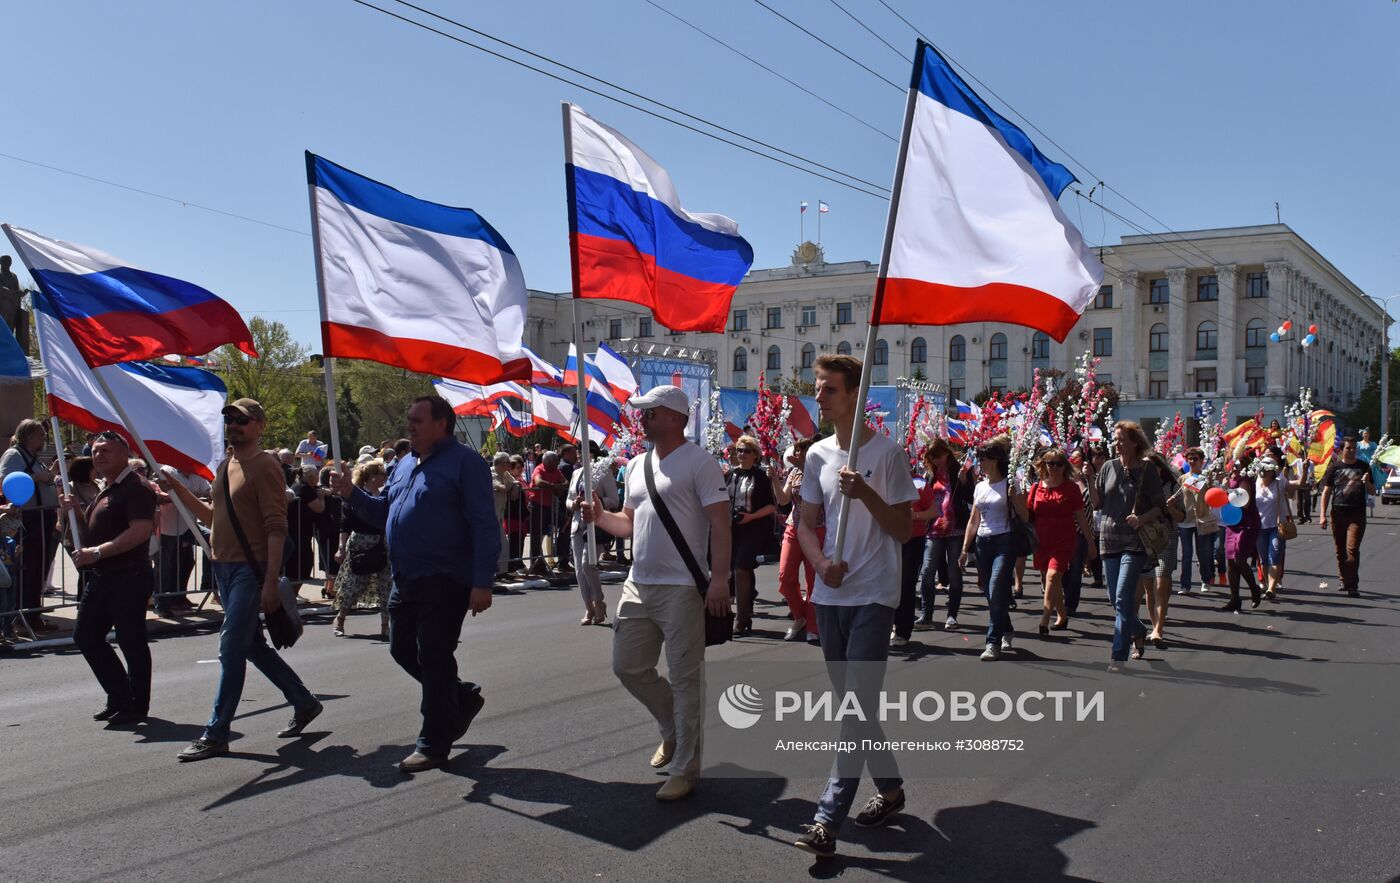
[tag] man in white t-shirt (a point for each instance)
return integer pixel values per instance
(660, 601)
(308, 451)
(855, 597)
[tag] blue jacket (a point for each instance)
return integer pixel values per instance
(438, 515)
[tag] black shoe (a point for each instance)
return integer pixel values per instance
(471, 706)
(127, 716)
(817, 840)
(1232, 607)
(879, 810)
(107, 713)
(1254, 602)
(924, 622)
(1353, 593)
(201, 748)
(300, 719)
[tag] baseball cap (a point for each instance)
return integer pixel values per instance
(246, 407)
(665, 396)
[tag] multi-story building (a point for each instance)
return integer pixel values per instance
(1179, 318)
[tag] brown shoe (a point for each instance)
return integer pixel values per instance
(675, 788)
(418, 762)
(664, 752)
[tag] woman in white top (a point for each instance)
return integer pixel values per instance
(1271, 497)
(990, 528)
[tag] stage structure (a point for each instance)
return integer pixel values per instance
(689, 368)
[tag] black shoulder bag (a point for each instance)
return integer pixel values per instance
(284, 626)
(718, 629)
(1023, 537)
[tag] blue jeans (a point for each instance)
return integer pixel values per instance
(1122, 571)
(241, 641)
(1270, 547)
(1074, 577)
(942, 552)
(995, 570)
(1203, 546)
(856, 634)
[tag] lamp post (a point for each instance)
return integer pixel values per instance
(1385, 363)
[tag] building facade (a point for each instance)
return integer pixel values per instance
(1179, 319)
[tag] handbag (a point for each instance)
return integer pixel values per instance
(371, 560)
(1023, 537)
(1156, 536)
(283, 625)
(1287, 529)
(718, 629)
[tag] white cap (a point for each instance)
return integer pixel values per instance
(665, 396)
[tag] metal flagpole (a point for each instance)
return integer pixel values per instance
(327, 361)
(853, 455)
(590, 551)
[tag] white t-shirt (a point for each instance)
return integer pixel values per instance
(990, 500)
(309, 453)
(1266, 499)
(688, 479)
(873, 555)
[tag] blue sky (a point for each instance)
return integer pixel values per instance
(1204, 114)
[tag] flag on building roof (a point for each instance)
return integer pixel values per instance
(177, 410)
(631, 240)
(802, 207)
(823, 207)
(411, 283)
(978, 233)
(114, 312)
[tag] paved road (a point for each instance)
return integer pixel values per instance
(552, 782)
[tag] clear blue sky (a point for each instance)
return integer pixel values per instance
(1203, 113)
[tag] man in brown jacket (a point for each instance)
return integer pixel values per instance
(252, 479)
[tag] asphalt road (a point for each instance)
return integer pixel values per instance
(552, 781)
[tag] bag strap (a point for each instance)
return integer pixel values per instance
(669, 523)
(237, 527)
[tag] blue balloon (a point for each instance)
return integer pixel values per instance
(1186, 468)
(1230, 514)
(1273, 335)
(18, 487)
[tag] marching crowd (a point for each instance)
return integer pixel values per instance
(423, 529)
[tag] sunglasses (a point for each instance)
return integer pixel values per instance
(108, 435)
(237, 420)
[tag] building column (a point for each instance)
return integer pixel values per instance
(1125, 349)
(1176, 332)
(1276, 378)
(1227, 277)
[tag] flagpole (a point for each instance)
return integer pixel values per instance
(801, 224)
(590, 551)
(853, 456)
(327, 361)
(63, 476)
(819, 222)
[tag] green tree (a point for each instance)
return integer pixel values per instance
(1367, 413)
(382, 395)
(279, 379)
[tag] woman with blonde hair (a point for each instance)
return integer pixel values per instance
(363, 579)
(1056, 508)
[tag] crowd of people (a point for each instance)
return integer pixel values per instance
(412, 531)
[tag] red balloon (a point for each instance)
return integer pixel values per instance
(1312, 329)
(1216, 497)
(1287, 324)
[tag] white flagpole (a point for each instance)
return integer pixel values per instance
(63, 474)
(585, 461)
(858, 429)
(327, 361)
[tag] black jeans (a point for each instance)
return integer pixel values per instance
(118, 599)
(38, 544)
(425, 623)
(911, 562)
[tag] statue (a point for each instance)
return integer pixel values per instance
(11, 304)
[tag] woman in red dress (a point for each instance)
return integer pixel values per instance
(1057, 510)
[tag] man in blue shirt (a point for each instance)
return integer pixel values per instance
(439, 518)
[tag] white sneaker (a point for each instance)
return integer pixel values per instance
(897, 641)
(991, 654)
(951, 624)
(1205, 588)
(1005, 643)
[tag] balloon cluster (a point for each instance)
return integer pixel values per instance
(1308, 340)
(1228, 505)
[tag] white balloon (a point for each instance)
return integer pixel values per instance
(1239, 497)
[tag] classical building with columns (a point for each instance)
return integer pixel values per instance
(1180, 318)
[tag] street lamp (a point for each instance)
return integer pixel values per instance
(1385, 363)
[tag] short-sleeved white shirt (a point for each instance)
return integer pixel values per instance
(873, 555)
(991, 503)
(688, 479)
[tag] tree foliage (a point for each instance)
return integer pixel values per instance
(279, 379)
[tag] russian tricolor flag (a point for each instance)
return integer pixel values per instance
(978, 234)
(114, 312)
(411, 283)
(631, 240)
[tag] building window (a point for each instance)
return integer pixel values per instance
(775, 359)
(918, 352)
(1104, 299)
(997, 350)
(809, 361)
(1254, 380)
(1040, 345)
(882, 353)
(809, 315)
(1159, 292)
(644, 326)
(843, 349)
(1207, 288)
(957, 349)
(614, 329)
(775, 318)
(955, 393)
(1256, 335)
(1157, 338)
(880, 361)
(1105, 380)
(1103, 341)
(741, 367)
(1206, 339)
(1205, 380)
(843, 313)
(1157, 385)
(741, 320)
(1256, 285)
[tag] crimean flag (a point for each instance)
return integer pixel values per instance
(977, 233)
(631, 240)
